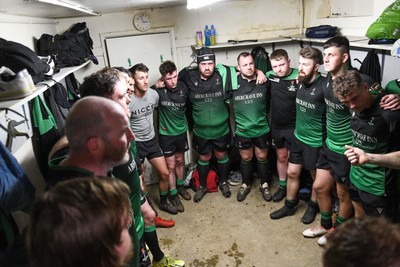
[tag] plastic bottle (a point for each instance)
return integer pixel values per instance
(199, 39)
(207, 34)
(213, 33)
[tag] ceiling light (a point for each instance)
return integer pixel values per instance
(192, 4)
(71, 5)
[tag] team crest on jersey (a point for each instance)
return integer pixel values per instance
(313, 91)
(327, 84)
(353, 114)
(371, 121)
(217, 81)
(343, 178)
(181, 93)
(292, 88)
(196, 83)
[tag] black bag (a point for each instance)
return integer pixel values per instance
(371, 66)
(321, 31)
(72, 48)
(261, 59)
(17, 57)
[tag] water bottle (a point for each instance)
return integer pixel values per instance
(213, 33)
(207, 34)
(199, 39)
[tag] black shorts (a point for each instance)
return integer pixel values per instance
(338, 164)
(282, 138)
(261, 142)
(148, 149)
(205, 146)
(303, 154)
(172, 144)
(373, 205)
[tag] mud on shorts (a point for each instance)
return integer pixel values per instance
(338, 164)
(282, 138)
(261, 142)
(172, 144)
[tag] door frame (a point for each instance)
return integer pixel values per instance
(106, 35)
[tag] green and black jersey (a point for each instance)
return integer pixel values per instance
(310, 113)
(393, 87)
(283, 100)
(209, 108)
(58, 173)
(377, 131)
(171, 110)
(128, 173)
(338, 117)
(250, 105)
(337, 120)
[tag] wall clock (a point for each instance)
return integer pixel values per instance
(142, 22)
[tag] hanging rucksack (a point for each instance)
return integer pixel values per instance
(261, 59)
(371, 66)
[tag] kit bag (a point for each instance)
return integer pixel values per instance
(261, 59)
(371, 66)
(321, 31)
(72, 48)
(17, 57)
(212, 181)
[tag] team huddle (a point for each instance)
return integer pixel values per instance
(309, 119)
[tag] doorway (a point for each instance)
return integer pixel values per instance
(150, 48)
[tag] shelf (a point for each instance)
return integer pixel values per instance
(40, 88)
(355, 41)
(242, 44)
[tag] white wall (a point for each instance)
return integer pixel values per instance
(316, 13)
(24, 30)
(240, 20)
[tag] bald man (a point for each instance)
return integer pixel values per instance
(99, 137)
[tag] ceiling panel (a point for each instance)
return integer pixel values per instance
(42, 10)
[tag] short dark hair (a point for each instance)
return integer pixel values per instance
(312, 53)
(101, 83)
(340, 42)
(367, 242)
(79, 223)
(138, 67)
(243, 54)
(124, 70)
(167, 67)
(278, 54)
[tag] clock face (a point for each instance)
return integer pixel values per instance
(142, 22)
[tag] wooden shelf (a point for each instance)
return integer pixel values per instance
(40, 88)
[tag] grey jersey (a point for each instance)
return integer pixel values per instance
(142, 110)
